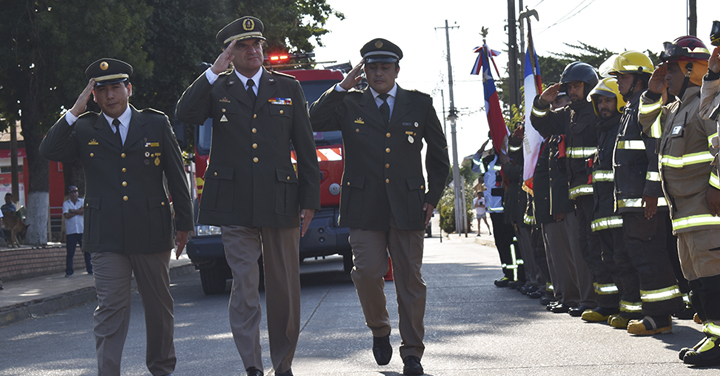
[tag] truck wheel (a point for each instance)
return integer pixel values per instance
(213, 280)
(348, 262)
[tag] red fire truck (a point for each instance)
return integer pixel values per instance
(323, 238)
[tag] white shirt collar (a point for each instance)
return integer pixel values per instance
(124, 119)
(392, 92)
(255, 78)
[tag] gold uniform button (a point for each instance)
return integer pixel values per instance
(254, 130)
(122, 155)
(254, 146)
(92, 155)
(125, 198)
(357, 130)
(387, 180)
(223, 110)
(422, 187)
(348, 184)
(387, 165)
(215, 174)
(124, 169)
(387, 150)
(255, 159)
(162, 203)
(387, 135)
(124, 184)
(288, 178)
(282, 112)
(254, 116)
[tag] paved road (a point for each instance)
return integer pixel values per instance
(472, 328)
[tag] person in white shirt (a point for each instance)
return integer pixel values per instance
(73, 213)
(480, 210)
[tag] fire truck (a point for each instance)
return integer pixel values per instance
(323, 238)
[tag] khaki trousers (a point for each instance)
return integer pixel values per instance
(699, 254)
(280, 250)
(113, 273)
(370, 255)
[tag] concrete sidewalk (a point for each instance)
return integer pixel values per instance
(31, 297)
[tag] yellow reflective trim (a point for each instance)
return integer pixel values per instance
(652, 176)
(631, 145)
(606, 223)
(626, 306)
(687, 159)
(606, 289)
(710, 143)
(497, 167)
(712, 329)
(649, 296)
(646, 108)
(603, 175)
(695, 221)
(529, 219)
(580, 152)
(498, 209)
(514, 148)
(580, 190)
(714, 181)
(538, 112)
(656, 128)
(549, 286)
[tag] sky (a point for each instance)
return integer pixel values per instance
(417, 27)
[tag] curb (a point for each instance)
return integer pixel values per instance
(40, 307)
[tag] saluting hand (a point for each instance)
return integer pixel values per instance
(714, 61)
(551, 93)
(81, 103)
(657, 83)
(180, 240)
(223, 61)
(352, 78)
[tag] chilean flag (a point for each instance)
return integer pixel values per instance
(498, 130)
(533, 86)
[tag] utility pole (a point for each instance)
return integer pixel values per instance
(457, 187)
(692, 17)
(512, 54)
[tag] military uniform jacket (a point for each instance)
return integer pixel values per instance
(550, 185)
(250, 180)
(602, 180)
(686, 154)
(383, 167)
(515, 202)
(127, 209)
(577, 122)
(635, 163)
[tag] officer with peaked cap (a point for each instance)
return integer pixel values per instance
(126, 154)
(251, 189)
(385, 200)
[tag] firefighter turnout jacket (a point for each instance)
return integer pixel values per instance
(602, 178)
(686, 154)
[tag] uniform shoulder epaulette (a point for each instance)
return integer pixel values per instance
(152, 111)
(276, 73)
(419, 92)
(88, 115)
(355, 91)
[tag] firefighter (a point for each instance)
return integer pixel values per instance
(576, 122)
(690, 181)
(608, 105)
(651, 295)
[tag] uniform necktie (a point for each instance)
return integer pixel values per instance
(116, 123)
(251, 92)
(385, 108)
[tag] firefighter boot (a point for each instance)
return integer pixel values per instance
(707, 355)
(617, 321)
(650, 325)
(599, 314)
(695, 292)
(685, 350)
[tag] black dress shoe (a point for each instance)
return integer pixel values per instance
(536, 294)
(382, 351)
(412, 366)
(578, 311)
(560, 308)
(252, 371)
(286, 373)
(516, 284)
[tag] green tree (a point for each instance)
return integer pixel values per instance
(42, 44)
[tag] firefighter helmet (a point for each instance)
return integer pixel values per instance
(579, 71)
(608, 87)
(686, 48)
(632, 62)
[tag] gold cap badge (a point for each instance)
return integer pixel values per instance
(249, 24)
(378, 44)
(104, 65)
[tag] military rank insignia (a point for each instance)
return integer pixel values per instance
(224, 100)
(359, 121)
(281, 101)
(93, 142)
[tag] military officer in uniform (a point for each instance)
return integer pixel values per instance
(251, 189)
(385, 200)
(126, 153)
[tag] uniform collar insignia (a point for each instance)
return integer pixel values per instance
(359, 121)
(224, 100)
(93, 142)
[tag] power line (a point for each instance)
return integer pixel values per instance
(566, 17)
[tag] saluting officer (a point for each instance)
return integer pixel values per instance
(125, 154)
(385, 200)
(251, 189)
